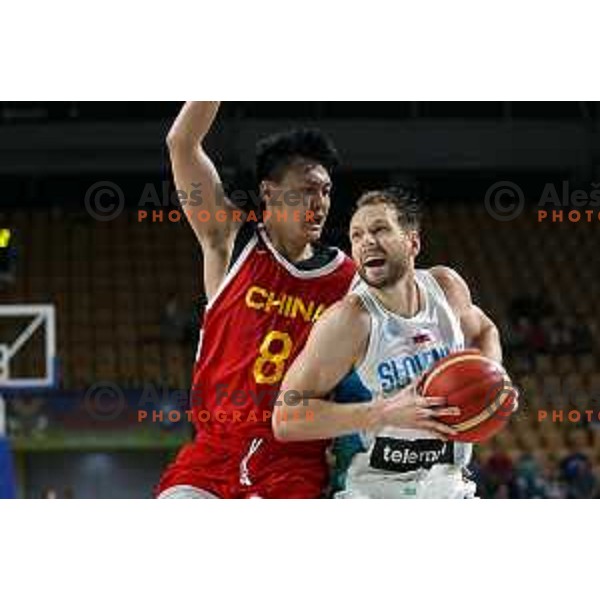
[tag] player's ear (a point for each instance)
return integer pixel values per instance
(415, 242)
(266, 190)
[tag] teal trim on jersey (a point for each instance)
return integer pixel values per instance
(350, 390)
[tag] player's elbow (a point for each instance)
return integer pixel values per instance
(280, 426)
(180, 141)
(489, 331)
(174, 139)
(288, 425)
(488, 341)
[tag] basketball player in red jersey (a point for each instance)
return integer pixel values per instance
(266, 283)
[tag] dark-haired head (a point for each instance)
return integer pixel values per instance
(294, 173)
(276, 153)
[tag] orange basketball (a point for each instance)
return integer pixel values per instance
(479, 386)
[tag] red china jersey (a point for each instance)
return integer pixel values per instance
(254, 327)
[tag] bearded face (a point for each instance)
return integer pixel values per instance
(382, 249)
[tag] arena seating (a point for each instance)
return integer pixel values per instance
(110, 283)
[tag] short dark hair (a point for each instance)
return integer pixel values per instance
(404, 200)
(274, 154)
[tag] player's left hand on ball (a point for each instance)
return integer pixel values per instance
(408, 409)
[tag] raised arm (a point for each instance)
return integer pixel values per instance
(196, 177)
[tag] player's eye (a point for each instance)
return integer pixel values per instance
(314, 191)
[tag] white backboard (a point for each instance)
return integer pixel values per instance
(37, 317)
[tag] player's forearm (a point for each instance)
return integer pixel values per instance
(192, 124)
(197, 179)
(317, 419)
(488, 341)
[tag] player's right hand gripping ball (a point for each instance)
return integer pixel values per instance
(479, 386)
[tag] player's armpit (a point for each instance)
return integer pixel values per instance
(336, 341)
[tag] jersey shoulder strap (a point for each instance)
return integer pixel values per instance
(243, 237)
(361, 289)
(431, 286)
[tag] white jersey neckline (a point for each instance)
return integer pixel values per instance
(424, 302)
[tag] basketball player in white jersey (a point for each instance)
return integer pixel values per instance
(366, 353)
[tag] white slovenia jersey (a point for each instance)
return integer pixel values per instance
(399, 351)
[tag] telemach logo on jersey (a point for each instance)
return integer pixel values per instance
(404, 456)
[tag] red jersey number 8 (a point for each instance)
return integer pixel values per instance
(265, 374)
